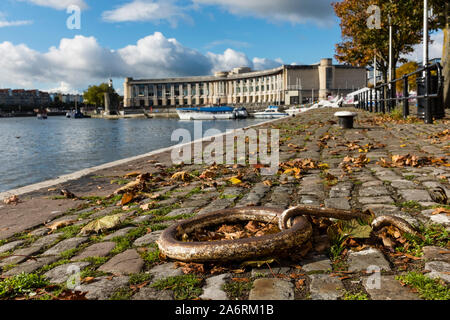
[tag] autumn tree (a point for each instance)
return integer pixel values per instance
(407, 68)
(360, 44)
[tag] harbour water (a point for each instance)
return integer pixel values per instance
(34, 150)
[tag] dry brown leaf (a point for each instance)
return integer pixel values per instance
(14, 200)
(127, 198)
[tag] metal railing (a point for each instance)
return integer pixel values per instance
(383, 97)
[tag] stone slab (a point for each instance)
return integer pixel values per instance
(387, 288)
(127, 262)
(65, 245)
(61, 273)
(271, 289)
(338, 203)
(148, 238)
(415, 195)
(153, 294)
(213, 288)
(10, 246)
(362, 260)
(432, 253)
(321, 265)
(104, 287)
(439, 269)
(165, 270)
(325, 287)
(101, 249)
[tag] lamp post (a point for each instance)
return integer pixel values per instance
(425, 33)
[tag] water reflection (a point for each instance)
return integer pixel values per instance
(32, 150)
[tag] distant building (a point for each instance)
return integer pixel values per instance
(288, 84)
(25, 98)
(67, 98)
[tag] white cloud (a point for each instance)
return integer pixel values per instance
(228, 42)
(81, 61)
(146, 10)
(5, 23)
(264, 63)
(434, 49)
(58, 4)
(294, 11)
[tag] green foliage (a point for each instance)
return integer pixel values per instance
(429, 289)
(95, 94)
(434, 235)
(21, 284)
(185, 287)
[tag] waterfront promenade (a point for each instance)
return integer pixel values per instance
(349, 172)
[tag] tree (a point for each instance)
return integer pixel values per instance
(360, 43)
(95, 94)
(442, 9)
(407, 68)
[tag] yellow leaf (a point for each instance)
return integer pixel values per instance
(403, 146)
(235, 180)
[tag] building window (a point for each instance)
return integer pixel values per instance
(329, 77)
(141, 90)
(159, 88)
(151, 93)
(185, 90)
(177, 89)
(168, 94)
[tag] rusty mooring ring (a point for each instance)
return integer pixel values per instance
(232, 250)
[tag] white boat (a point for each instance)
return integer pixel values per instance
(270, 113)
(292, 111)
(206, 113)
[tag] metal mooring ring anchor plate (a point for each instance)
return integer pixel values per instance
(232, 250)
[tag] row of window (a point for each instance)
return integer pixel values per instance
(141, 90)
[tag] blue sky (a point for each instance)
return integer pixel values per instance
(156, 38)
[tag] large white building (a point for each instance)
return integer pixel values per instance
(288, 84)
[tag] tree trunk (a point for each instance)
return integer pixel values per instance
(446, 59)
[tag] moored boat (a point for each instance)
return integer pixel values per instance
(270, 113)
(241, 113)
(206, 113)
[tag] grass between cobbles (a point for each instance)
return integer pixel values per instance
(433, 235)
(428, 289)
(21, 284)
(237, 290)
(184, 287)
(355, 296)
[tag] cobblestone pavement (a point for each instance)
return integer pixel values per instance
(124, 263)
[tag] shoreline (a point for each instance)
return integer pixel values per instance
(84, 172)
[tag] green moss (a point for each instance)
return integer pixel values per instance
(21, 284)
(70, 231)
(122, 294)
(355, 296)
(185, 287)
(151, 256)
(139, 278)
(410, 205)
(409, 177)
(120, 182)
(429, 289)
(237, 290)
